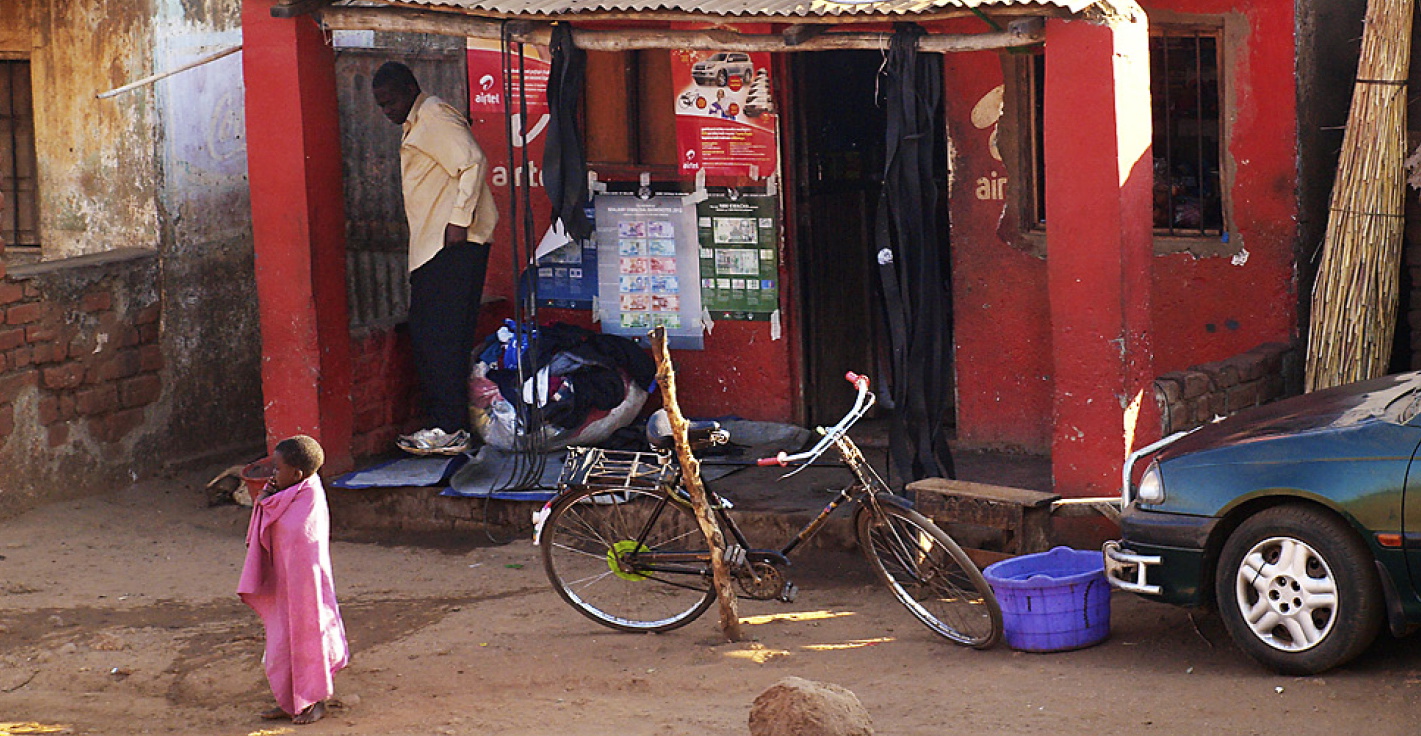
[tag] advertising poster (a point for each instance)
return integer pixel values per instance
(570, 278)
(739, 263)
(725, 115)
(647, 268)
(567, 276)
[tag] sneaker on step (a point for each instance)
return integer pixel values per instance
(435, 441)
(421, 437)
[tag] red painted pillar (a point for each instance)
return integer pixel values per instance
(298, 224)
(1099, 249)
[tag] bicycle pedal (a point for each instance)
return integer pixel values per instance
(789, 592)
(734, 555)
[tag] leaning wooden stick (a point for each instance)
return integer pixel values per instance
(691, 475)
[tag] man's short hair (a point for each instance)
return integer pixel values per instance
(303, 453)
(394, 74)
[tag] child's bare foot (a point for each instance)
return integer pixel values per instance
(314, 712)
(274, 714)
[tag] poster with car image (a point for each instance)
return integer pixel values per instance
(739, 239)
(725, 113)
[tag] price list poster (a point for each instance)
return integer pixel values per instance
(647, 267)
(739, 263)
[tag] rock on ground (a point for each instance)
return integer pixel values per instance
(798, 707)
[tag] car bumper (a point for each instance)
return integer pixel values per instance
(1160, 555)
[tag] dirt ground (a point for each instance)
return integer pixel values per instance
(117, 616)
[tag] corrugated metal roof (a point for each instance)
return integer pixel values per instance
(747, 8)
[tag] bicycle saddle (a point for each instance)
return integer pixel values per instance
(701, 434)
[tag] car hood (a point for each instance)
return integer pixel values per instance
(1336, 409)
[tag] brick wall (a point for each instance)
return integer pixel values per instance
(1190, 398)
(80, 375)
(383, 389)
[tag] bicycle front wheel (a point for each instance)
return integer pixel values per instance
(929, 574)
(629, 559)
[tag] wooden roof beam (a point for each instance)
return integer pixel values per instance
(1021, 32)
(294, 8)
(801, 32)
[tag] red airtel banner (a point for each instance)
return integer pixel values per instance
(725, 115)
(489, 115)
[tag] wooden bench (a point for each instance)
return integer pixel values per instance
(1023, 517)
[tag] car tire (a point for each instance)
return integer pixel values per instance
(1298, 590)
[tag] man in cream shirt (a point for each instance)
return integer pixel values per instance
(451, 216)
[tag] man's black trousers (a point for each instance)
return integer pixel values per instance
(444, 310)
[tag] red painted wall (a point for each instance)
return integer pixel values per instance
(298, 216)
(1204, 308)
(741, 371)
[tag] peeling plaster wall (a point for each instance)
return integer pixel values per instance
(98, 171)
(211, 335)
(135, 344)
(14, 26)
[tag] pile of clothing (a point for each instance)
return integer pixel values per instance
(543, 389)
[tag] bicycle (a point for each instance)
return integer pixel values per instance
(621, 544)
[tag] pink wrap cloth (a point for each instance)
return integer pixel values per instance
(287, 580)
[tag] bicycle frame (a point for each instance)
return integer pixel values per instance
(645, 568)
(867, 483)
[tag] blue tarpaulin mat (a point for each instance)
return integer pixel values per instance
(492, 472)
(404, 472)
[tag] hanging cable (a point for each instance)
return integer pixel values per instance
(528, 459)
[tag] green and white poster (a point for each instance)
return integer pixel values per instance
(739, 243)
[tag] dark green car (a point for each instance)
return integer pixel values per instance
(1292, 518)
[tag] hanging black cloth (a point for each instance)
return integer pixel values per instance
(907, 239)
(564, 165)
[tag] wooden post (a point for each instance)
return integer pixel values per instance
(691, 476)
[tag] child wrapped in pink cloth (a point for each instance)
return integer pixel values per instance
(287, 580)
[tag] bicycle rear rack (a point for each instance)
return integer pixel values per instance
(594, 466)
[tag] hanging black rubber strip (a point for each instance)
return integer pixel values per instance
(912, 276)
(564, 164)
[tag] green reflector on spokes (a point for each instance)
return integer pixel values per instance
(617, 552)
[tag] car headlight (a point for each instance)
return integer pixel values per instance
(1151, 488)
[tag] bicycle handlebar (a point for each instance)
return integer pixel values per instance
(862, 402)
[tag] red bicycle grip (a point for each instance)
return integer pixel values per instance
(776, 460)
(854, 378)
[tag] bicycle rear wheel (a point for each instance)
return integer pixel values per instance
(609, 559)
(929, 574)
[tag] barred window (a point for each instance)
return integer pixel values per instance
(19, 212)
(1185, 88)
(1184, 84)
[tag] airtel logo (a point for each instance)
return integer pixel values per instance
(486, 97)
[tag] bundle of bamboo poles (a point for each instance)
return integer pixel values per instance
(1355, 297)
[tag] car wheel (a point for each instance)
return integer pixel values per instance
(1298, 590)
(721, 78)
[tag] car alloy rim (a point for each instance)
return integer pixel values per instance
(1286, 594)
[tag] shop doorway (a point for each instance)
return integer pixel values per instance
(837, 125)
